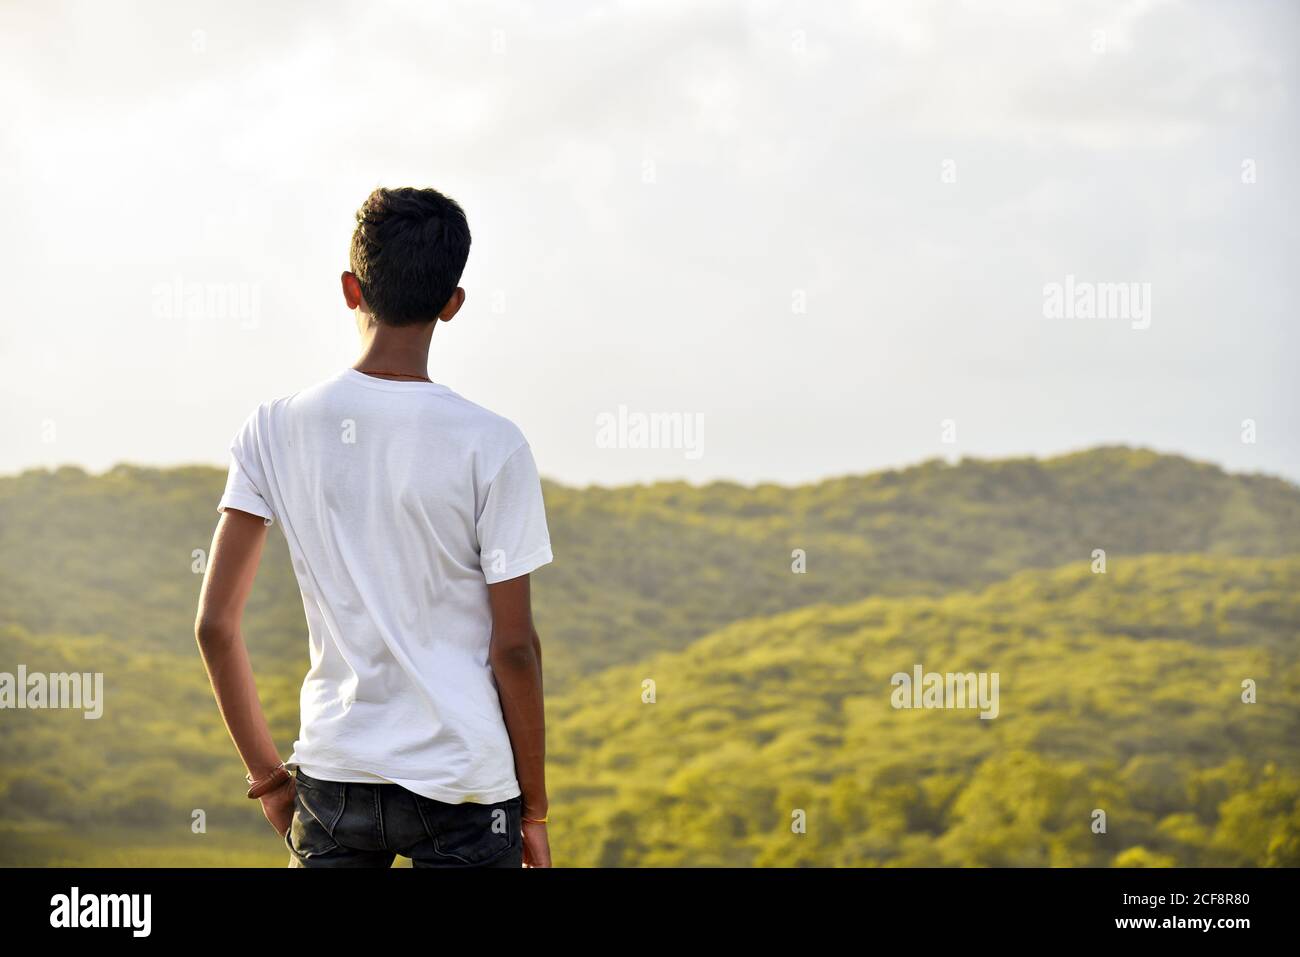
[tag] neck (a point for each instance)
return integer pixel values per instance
(403, 350)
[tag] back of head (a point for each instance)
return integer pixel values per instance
(408, 252)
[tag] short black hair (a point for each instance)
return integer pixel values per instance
(408, 252)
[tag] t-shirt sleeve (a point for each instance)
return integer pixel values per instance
(246, 481)
(512, 533)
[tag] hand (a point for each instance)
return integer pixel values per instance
(278, 807)
(537, 846)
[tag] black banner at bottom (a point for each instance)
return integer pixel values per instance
(431, 908)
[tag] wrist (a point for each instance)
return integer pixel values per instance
(274, 780)
(262, 769)
(260, 774)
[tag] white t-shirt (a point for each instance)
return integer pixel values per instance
(400, 502)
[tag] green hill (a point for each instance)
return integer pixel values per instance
(646, 568)
(1120, 692)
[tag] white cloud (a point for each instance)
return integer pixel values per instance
(794, 148)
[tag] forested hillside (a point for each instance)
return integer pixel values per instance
(1120, 691)
(645, 568)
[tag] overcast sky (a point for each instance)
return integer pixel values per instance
(818, 230)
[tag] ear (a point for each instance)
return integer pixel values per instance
(352, 290)
(453, 305)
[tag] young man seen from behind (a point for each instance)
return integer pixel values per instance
(413, 518)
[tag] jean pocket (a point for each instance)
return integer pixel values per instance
(317, 807)
(472, 833)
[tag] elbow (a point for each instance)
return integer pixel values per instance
(213, 633)
(514, 651)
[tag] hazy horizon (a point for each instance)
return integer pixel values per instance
(900, 467)
(833, 239)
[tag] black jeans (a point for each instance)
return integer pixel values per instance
(367, 825)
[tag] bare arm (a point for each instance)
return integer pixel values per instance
(232, 566)
(516, 658)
